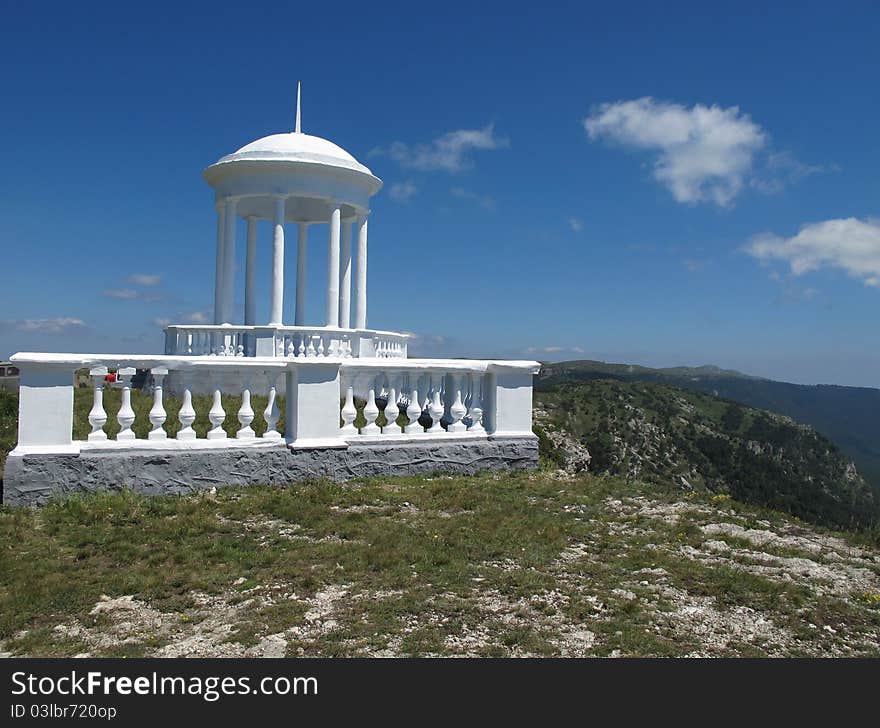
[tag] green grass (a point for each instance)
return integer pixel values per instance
(425, 563)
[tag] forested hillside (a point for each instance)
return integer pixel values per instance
(848, 416)
(659, 432)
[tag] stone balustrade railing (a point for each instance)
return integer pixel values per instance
(430, 397)
(284, 341)
(426, 397)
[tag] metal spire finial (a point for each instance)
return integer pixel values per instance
(298, 129)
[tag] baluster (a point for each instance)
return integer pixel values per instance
(391, 411)
(245, 412)
(125, 417)
(475, 412)
(349, 412)
(290, 349)
(457, 411)
(436, 408)
(413, 412)
(271, 412)
(302, 345)
(321, 349)
(187, 414)
(311, 350)
(239, 350)
(157, 413)
(217, 415)
(426, 379)
(97, 415)
(371, 412)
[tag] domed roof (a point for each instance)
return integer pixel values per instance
(296, 147)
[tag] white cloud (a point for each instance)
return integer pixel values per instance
(195, 317)
(449, 153)
(124, 293)
(483, 201)
(161, 322)
(782, 169)
(144, 279)
(850, 244)
(402, 191)
(703, 153)
(554, 349)
(576, 224)
(48, 326)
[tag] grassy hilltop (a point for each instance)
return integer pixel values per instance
(673, 543)
(499, 565)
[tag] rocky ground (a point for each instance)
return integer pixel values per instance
(543, 564)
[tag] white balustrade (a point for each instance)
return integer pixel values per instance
(463, 399)
(391, 411)
(371, 412)
(413, 412)
(157, 413)
(349, 413)
(187, 414)
(245, 416)
(457, 411)
(217, 415)
(271, 413)
(281, 341)
(125, 416)
(475, 406)
(436, 410)
(97, 415)
(452, 399)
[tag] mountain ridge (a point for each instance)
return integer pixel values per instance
(845, 415)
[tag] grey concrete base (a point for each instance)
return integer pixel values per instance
(32, 479)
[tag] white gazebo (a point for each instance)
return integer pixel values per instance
(307, 180)
(355, 404)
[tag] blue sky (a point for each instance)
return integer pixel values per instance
(664, 184)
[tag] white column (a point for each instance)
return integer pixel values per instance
(345, 277)
(250, 274)
(218, 273)
(229, 260)
(360, 283)
(277, 303)
(333, 268)
(301, 242)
